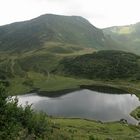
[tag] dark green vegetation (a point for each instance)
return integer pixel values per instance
(127, 36)
(104, 89)
(103, 65)
(20, 123)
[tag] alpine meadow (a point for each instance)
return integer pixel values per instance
(62, 78)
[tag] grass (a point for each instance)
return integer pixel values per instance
(45, 83)
(126, 30)
(61, 49)
(55, 82)
(52, 82)
(136, 113)
(62, 128)
(17, 87)
(42, 61)
(79, 129)
(75, 129)
(132, 87)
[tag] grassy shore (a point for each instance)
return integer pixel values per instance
(136, 113)
(44, 83)
(75, 129)
(33, 80)
(79, 129)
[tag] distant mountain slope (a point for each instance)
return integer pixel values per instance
(36, 33)
(128, 36)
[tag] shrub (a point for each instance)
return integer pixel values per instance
(17, 122)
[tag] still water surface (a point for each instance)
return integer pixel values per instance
(85, 104)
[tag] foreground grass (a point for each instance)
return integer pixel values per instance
(136, 113)
(78, 129)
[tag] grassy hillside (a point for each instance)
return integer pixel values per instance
(33, 69)
(57, 71)
(102, 65)
(42, 60)
(127, 36)
(36, 33)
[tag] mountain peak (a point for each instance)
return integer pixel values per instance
(60, 17)
(35, 33)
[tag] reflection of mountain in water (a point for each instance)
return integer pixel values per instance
(86, 104)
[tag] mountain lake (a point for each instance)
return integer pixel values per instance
(85, 104)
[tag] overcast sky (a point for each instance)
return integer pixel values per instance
(101, 13)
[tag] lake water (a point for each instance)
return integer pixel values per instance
(85, 104)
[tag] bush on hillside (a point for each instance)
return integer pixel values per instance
(17, 122)
(102, 65)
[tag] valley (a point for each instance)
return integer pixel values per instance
(52, 55)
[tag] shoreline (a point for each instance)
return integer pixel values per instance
(113, 89)
(104, 88)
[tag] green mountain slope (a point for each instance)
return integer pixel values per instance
(52, 44)
(128, 36)
(36, 33)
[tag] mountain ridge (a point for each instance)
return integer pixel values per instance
(128, 36)
(34, 33)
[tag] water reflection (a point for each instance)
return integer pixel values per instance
(86, 104)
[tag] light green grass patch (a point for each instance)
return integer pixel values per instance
(81, 129)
